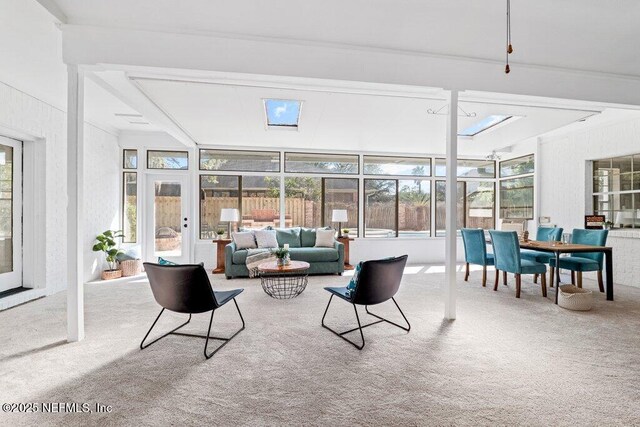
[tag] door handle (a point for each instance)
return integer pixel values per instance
(185, 225)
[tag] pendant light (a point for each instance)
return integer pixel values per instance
(509, 46)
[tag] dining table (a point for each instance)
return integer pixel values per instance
(558, 248)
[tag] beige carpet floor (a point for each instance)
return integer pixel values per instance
(502, 362)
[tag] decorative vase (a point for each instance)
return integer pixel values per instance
(287, 259)
(280, 262)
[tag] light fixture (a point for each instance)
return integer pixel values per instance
(509, 46)
(339, 216)
(229, 215)
(493, 156)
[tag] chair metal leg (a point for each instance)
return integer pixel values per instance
(341, 334)
(408, 328)
(207, 337)
(143, 346)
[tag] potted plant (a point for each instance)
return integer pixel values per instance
(608, 225)
(106, 242)
(345, 232)
(220, 232)
(282, 256)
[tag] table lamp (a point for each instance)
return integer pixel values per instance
(229, 215)
(339, 216)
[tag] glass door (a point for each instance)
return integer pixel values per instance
(10, 214)
(168, 223)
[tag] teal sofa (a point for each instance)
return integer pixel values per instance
(301, 248)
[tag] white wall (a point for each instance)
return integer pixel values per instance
(564, 188)
(32, 102)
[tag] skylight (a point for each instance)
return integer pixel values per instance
(282, 113)
(484, 124)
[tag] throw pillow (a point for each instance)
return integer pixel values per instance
(163, 261)
(266, 238)
(244, 240)
(308, 237)
(288, 235)
(324, 238)
(354, 280)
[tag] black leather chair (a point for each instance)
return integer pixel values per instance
(378, 282)
(186, 289)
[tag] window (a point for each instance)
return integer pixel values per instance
(303, 201)
(483, 125)
(240, 161)
(321, 163)
(261, 202)
(616, 190)
(130, 207)
(380, 208)
(130, 159)
(414, 208)
(216, 192)
(167, 159)
(282, 113)
(516, 198)
(468, 168)
(475, 206)
(399, 166)
(342, 193)
(441, 208)
(518, 166)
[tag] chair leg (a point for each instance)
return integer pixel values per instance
(573, 277)
(225, 340)
(543, 283)
(495, 284)
(579, 281)
(408, 328)
(484, 275)
(340, 334)
(600, 283)
(504, 278)
(535, 278)
(142, 344)
(518, 284)
(552, 274)
(466, 273)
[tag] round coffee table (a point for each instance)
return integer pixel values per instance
(283, 282)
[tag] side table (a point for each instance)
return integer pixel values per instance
(220, 255)
(345, 241)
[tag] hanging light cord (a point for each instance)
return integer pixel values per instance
(509, 46)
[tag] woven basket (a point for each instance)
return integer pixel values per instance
(111, 274)
(573, 298)
(131, 267)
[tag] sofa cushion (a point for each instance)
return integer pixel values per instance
(314, 254)
(324, 238)
(307, 237)
(288, 235)
(266, 238)
(244, 239)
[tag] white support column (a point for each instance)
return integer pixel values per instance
(451, 208)
(75, 150)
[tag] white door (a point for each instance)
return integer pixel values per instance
(10, 214)
(168, 225)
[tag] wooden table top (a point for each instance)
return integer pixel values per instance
(273, 267)
(561, 247)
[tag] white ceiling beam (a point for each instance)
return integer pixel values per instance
(93, 45)
(119, 85)
(52, 7)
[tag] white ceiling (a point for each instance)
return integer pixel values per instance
(589, 35)
(233, 115)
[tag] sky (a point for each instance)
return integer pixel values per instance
(282, 112)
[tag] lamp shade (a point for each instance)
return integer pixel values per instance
(339, 215)
(229, 214)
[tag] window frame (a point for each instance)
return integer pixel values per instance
(268, 126)
(364, 165)
(167, 151)
(364, 206)
(285, 171)
(200, 150)
(516, 158)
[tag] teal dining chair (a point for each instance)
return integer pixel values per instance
(588, 261)
(475, 251)
(544, 234)
(506, 252)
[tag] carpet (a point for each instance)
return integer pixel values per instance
(504, 361)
